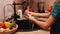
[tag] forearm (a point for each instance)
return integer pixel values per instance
(41, 14)
(45, 25)
(40, 23)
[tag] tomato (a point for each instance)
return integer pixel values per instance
(31, 9)
(49, 9)
(3, 25)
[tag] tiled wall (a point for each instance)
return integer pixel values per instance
(4, 2)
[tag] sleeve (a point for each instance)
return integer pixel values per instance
(56, 11)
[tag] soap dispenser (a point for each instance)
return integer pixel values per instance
(20, 13)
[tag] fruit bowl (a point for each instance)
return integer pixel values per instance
(10, 31)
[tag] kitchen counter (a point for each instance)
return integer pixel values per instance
(34, 32)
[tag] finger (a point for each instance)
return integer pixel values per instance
(26, 11)
(28, 15)
(31, 13)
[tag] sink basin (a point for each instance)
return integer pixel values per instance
(26, 25)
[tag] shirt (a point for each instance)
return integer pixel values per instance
(56, 14)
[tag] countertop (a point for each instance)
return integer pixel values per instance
(34, 32)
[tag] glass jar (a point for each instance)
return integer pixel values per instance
(41, 7)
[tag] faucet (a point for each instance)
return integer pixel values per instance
(24, 6)
(15, 15)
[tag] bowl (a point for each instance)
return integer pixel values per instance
(10, 31)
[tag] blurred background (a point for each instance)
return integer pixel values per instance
(4, 2)
(9, 10)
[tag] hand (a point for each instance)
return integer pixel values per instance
(30, 17)
(26, 11)
(30, 13)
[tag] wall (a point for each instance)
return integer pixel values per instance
(49, 3)
(4, 2)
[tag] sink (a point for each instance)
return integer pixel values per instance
(26, 25)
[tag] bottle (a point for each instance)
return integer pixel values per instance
(41, 10)
(20, 13)
(41, 7)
